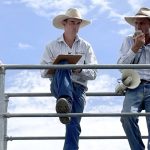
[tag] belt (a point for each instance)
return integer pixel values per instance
(145, 81)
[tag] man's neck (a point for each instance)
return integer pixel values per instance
(69, 39)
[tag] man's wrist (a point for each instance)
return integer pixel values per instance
(135, 49)
(76, 70)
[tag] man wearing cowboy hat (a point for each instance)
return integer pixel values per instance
(69, 86)
(136, 50)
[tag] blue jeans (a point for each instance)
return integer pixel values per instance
(136, 100)
(61, 86)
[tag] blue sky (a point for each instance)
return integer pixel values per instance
(26, 27)
(25, 30)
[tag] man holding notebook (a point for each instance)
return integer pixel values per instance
(68, 86)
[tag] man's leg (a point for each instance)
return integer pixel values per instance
(61, 88)
(73, 129)
(133, 103)
(147, 109)
(61, 84)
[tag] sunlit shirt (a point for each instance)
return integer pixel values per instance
(127, 56)
(79, 46)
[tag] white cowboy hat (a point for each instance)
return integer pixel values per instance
(142, 13)
(70, 13)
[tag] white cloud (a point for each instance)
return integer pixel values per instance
(125, 31)
(50, 8)
(24, 45)
(30, 81)
(105, 4)
(135, 5)
(102, 83)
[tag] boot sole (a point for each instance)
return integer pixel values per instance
(62, 106)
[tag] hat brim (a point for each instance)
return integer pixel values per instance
(57, 21)
(131, 19)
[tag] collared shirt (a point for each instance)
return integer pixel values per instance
(127, 56)
(79, 46)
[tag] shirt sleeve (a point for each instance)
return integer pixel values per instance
(126, 53)
(46, 60)
(90, 58)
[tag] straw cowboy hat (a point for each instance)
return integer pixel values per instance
(70, 13)
(142, 13)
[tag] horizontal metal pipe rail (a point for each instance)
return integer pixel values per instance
(62, 137)
(12, 115)
(49, 94)
(71, 66)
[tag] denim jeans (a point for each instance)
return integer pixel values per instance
(136, 100)
(61, 86)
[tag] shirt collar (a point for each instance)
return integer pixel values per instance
(61, 39)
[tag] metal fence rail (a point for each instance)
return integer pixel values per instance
(4, 98)
(62, 138)
(85, 66)
(12, 115)
(49, 94)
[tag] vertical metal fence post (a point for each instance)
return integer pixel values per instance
(3, 109)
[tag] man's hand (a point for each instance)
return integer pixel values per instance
(139, 41)
(76, 71)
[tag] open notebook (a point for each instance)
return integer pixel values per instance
(72, 59)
